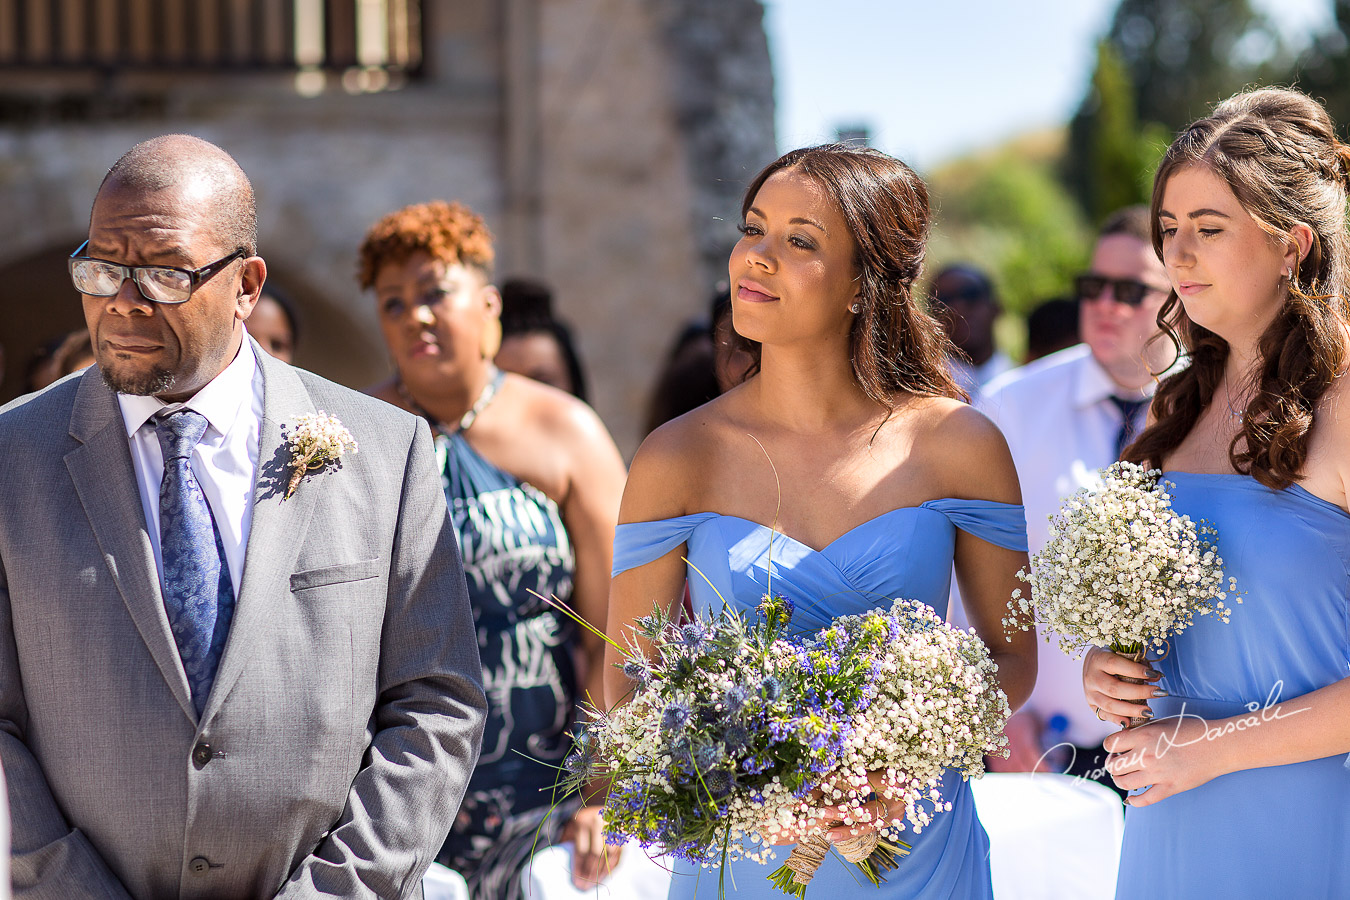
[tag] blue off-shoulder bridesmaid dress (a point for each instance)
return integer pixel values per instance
(906, 553)
(1278, 831)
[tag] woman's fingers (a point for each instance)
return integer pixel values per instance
(592, 858)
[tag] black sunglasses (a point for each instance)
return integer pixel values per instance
(1123, 290)
(160, 284)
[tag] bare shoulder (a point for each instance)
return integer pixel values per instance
(556, 416)
(1328, 465)
(668, 474)
(963, 450)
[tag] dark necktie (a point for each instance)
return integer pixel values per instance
(1129, 413)
(198, 594)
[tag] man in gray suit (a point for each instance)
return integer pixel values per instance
(210, 685)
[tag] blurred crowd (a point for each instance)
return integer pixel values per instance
(534, 489)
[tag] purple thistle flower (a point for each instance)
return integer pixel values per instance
(675, 716)
(693, 635)
(638, 671)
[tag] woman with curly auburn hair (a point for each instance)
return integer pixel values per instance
(533, 480)
(843, 466)
(1244, 791)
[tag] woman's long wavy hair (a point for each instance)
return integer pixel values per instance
(1277, 151)
(896, 347)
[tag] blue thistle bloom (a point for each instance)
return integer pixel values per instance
(681, 753)
(706, 756)
(636, 670)
(771, 688)
(675, 716)
(736, 736)
(693, 635)
(719, 783)
(650, 626)
(733, 701)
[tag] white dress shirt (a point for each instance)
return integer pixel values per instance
(224, 462)
(973, 378)
(1061, 427)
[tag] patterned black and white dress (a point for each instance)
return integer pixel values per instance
(513, 542)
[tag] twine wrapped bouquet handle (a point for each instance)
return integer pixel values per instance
(1138, 653)
(809, 855)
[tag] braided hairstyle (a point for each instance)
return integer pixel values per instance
(1276, 149)
(896, 347)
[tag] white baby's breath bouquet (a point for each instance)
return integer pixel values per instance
(1122, 569)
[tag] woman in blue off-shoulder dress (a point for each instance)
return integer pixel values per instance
(844, 467)
(1241, 787)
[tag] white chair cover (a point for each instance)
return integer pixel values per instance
(637, 877)
(441, 883)
(1051, 837)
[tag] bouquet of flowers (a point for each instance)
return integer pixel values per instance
(1122, 569)
(738, 730)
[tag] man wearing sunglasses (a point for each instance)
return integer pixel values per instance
(217, 679)
(1067, 415)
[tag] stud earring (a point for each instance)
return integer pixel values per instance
(855, 309)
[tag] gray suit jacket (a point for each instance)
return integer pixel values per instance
(347, 711)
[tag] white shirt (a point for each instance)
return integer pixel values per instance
(1061, 427)
(973, 378)
(225, 460)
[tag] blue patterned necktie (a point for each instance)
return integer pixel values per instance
(198, 594)
(1129, 412)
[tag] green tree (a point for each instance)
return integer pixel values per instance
(1183, 56)
(1162, 64)
(1114, 157)
(1323, 69)
(1006, 211)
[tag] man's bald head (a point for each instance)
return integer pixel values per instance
(181, 161)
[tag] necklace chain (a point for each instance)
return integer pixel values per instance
(1239, 414)
(465, 421)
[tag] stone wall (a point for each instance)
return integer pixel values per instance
(605, 141)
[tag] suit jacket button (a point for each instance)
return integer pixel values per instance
(200, 865)
(202, 754)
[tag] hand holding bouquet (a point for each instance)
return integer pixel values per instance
(1122, 570)
(733, 725)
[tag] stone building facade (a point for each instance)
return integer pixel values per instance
(605, 141)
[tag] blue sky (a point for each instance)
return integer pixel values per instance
(935, 79)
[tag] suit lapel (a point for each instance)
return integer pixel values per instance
(104, 479)
(278, 528)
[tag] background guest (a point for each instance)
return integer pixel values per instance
(76, 352)
(533, 482)
(275, 325)
(1052, 326)
(962, 299)
(534, 343)
(1069, 414)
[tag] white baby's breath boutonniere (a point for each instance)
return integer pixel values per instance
(317, 441)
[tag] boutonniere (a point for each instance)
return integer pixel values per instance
(317, 442)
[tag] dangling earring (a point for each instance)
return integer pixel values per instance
(492, 338)
(855, 308)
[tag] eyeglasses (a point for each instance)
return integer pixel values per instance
(160, 284)
(1124, 290)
